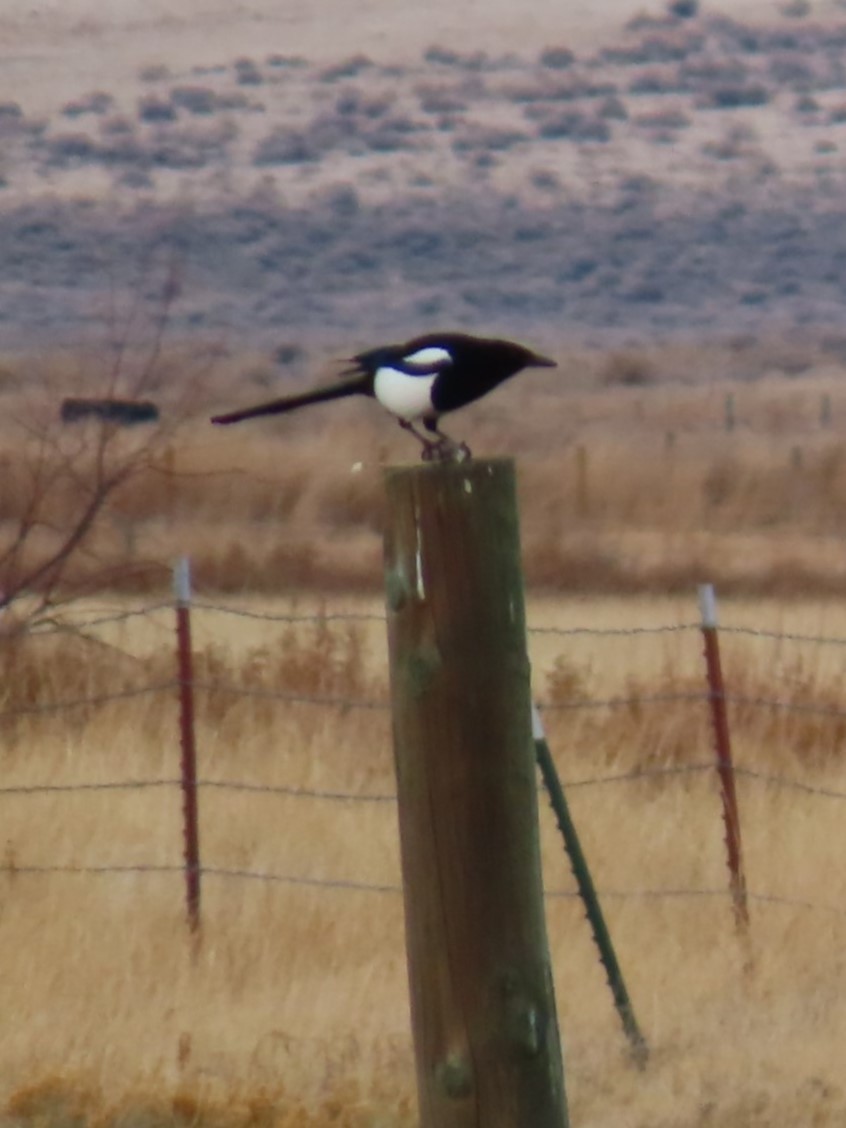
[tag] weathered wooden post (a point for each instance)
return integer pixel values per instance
(482, 1001)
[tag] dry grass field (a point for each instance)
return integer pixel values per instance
(241, 197)
(293, 1009)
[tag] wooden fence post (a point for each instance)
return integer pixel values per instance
(482, 1001)
(722, 740)
(182, 591)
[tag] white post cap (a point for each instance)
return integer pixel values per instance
(182, 581)
(537, 724)
(708, 605)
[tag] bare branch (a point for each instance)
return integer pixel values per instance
(70, 477)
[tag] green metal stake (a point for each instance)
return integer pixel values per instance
(587, 892)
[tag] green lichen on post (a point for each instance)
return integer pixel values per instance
(454, 1076)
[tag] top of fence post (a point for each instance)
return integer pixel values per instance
(708, 606)
(182, 581)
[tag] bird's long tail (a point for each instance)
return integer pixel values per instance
(291, 403)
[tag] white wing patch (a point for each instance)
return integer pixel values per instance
(407, 397)
(432, 354)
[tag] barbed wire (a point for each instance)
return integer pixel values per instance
(615, 632)
(56, 627)
(290, 698)
(273, 617)
(108, 785)
(784, 636)
(639, 894)
(318, 618)
(299, 792)
(623, 702)
(258, 692)
(317, 882)
(647, 774)
(80, 702)
(345, 702)
(219, 784)
(635, 775)
(50, 624)
(13, 870)
(801, 707)
(795, 902)
(786, 782)
(640, 775)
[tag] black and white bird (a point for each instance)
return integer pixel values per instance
(418, 382)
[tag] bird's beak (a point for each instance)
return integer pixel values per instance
(542, 362)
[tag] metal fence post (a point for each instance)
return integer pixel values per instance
(182, 591)
(587, 892)
(482, 1002)
(722, 741)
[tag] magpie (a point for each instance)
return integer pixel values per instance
(418, 382)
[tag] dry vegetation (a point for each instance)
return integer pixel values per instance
(680, 176)
(293, 1010)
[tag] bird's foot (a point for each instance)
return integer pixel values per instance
(446, 450)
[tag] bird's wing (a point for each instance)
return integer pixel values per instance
(428, 360)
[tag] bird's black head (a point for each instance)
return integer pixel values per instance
(498, 359)
(517, 357)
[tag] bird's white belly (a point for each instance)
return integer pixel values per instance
(407, 397)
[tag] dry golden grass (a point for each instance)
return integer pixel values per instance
(294, 1010)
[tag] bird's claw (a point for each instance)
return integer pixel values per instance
(446, 450)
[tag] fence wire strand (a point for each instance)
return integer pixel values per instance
(319, 618)
(298, 792)
(13, 870)
(52, 626)
(623, 702)
(328, 700)
(81, 702)
(107, 785)
(752, 775)
(295, 619)
(636, 775)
